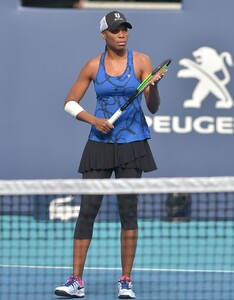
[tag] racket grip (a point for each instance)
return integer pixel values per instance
(115, 116)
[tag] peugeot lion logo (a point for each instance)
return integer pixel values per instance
(211, 72)
(205, 68)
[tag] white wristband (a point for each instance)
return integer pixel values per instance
(73, 108)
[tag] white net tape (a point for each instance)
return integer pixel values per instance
(117, 186)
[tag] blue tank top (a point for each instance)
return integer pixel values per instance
(112, 92)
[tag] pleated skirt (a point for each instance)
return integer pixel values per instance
(100, 156)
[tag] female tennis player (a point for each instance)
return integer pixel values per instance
(121, 148)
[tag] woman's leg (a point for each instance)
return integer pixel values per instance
(90, 205)
(127, 205)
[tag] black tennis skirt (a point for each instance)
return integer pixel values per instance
(134, 155)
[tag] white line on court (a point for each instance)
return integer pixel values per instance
(114, 269)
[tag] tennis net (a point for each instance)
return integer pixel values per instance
(185, 248)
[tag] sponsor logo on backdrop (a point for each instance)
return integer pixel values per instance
(211, 70)
(61, 209)
(208, 63)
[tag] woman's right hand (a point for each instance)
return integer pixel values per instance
(103, 125)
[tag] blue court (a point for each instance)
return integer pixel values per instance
(175, 260)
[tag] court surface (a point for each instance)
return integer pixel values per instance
(173, 260)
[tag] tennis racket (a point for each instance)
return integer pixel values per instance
(162, 67)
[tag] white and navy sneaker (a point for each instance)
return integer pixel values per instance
(73, 288)
(125, 288)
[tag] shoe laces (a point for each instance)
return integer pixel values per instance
(74, 279)
(125, 281)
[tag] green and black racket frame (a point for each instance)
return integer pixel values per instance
(140, 89)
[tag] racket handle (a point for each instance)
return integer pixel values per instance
(115, 116)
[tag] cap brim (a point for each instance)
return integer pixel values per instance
(117, 24)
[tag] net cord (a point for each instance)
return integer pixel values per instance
(117, 186)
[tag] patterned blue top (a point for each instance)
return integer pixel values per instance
(112, 92)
